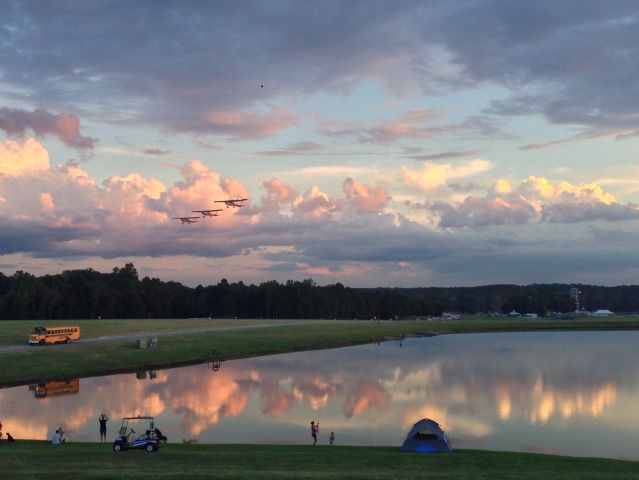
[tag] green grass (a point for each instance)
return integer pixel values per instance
(38, 460)
(16, 332)
(77, 360)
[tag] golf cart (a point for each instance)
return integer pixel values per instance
(148, 440)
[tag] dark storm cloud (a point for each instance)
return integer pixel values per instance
(173, 64)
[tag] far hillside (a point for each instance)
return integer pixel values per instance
(76, 294)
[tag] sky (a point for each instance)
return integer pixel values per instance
(379, 143)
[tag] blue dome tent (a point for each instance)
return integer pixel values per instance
(426, 436)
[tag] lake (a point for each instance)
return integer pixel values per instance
(568, 393)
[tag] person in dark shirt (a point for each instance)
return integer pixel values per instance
(103, 427)
(314, 429)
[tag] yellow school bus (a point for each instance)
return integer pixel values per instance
(54, 389)
(57, 334)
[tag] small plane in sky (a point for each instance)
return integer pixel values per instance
(233, 203)
(187, 219)
(208, 213)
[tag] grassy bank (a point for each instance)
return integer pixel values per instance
(76, 360)
(16, 332)
(35, 460)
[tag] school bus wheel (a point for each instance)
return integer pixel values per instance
(42, 342)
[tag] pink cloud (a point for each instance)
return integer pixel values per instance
(315, 203)
(536, 199)
(64, 125)
(46, 201)
(200, 188)
(203, 401)
(364, 396)
(126, 198)
(250, 126)
(365, 199)
(413, 124)
(275, 401)
(277, 192)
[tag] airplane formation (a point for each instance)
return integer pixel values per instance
(213, 212)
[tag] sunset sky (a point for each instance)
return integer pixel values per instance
(392, 143)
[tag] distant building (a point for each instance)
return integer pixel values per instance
(602, 313)
(514, 313)
(531, 315)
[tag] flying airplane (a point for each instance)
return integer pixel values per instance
(187, 219)
(208, 213)
(233, 203)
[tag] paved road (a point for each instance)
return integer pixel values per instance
(167, 333)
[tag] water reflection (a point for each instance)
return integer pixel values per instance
(54, 389)
(530, 391)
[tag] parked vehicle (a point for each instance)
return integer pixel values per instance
(149, 440)
(54, 334)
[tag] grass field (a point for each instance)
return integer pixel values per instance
(77, 360)
(37, 460)
(15, 332)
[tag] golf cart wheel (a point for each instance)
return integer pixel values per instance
(117, 447)
(149, 448)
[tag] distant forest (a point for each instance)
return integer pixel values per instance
(77, 294)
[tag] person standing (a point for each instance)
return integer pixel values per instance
(331, 439)
(314, 429)
(103, 427)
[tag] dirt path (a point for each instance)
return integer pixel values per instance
(165, 333)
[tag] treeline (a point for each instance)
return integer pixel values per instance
(76, 294)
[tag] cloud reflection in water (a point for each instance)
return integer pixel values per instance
(501, 391)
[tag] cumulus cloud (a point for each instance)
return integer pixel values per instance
(18, 159)
(358, 234)
(433, 175)
(277, 192)
(536, 199)
(314, 202)
(476, 212)
(364, 396)
(365, 199)
(66, 126)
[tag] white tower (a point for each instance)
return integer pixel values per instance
(574, 293)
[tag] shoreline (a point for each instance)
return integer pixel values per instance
(186, 349)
